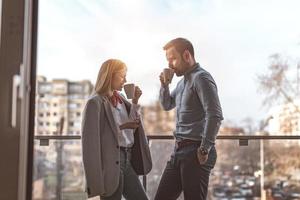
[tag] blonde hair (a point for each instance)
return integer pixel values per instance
(104, 79)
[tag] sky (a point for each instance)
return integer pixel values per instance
(233, 40)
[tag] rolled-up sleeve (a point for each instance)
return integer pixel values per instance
(208, 95)
(166, 99)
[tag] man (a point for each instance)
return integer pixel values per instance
(198, 118)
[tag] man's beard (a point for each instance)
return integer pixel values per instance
(183, 68)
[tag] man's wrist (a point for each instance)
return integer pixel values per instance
(165, 85)
(203, 151)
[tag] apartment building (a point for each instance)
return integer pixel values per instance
(285, 119)
(158, 121)
(58, 99)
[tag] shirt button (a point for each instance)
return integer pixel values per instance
(117, 162)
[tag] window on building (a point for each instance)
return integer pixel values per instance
(77, 124)
(75, 88)
(72, 105)
(43, 105)
(44, 88)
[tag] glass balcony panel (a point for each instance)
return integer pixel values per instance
(237, 174)
(58, 171)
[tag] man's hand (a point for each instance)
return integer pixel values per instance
(130, 125)
(202, 158)
(162, 80)
(137, 94)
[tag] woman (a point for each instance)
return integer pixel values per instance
(114, 145)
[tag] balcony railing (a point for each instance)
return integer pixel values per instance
(243, 139)
(244, 169)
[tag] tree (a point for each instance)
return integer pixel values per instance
(281, 84)
(278, 84)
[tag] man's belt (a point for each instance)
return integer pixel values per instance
(179, 144)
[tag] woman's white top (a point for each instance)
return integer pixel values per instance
(126, 137)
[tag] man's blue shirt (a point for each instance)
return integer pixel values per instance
(198, 109)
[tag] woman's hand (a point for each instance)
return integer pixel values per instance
(130, 125)
(137, 94)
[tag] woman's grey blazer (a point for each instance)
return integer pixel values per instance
(101, 150)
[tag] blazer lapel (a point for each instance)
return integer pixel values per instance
(111, 119)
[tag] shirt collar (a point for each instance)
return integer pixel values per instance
(190, 71)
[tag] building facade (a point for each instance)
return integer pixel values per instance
(285, 119)
(158, 121)
(58, 99)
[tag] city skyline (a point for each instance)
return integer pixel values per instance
(232, 40)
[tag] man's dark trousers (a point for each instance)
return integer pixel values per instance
(184, 173)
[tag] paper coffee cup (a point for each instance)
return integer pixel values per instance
(168, 75)
(129, 90)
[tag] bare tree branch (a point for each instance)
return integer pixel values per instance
(274, 84)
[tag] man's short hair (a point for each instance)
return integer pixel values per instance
(180, 44)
